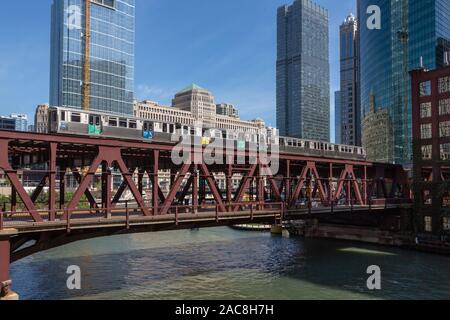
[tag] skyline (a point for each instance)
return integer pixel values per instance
(214, 59)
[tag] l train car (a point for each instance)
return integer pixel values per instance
(97, 124)
(78, 122)
(319, 148)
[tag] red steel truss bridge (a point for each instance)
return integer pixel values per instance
(60, 189)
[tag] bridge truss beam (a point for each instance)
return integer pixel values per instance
(107, 169)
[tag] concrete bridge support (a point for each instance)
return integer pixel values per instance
(5, 259)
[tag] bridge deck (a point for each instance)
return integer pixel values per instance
(134, 221)
(120, 219)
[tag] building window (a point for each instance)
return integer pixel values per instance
(425, 110)
(444, 107)
(108, 3)
(426, 131)
(444, 84)
(428, 224)
(444, 129)
(446, 224)
(425, 89)
(445, 151)
(427, 152)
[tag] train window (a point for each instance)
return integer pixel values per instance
(148, 126)
(63, 116)
(94, 120)
(112, 122)
(75, 117)
(132, 124)
(123, 123)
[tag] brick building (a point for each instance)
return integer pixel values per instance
(431, 141)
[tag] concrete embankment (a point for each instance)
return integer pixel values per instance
(343, 232)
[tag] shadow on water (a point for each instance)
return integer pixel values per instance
(227, 264)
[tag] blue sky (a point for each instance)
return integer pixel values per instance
(228, 47)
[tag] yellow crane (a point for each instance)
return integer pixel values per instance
(87, 55)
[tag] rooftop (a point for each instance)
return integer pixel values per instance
(191, 88)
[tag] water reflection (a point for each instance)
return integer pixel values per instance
(227, 264)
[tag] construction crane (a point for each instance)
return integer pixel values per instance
(87, 55)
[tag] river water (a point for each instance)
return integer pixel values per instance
(222, 263)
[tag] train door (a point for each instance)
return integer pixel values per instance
(147, 130)
(95, 125)
(53, 120)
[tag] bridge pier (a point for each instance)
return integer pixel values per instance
(5, 259)
(276, 229)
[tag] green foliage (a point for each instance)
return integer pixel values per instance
(42, 201)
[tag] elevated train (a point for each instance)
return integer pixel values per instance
(78, 122)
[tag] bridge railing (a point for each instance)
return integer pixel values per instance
(128, 210)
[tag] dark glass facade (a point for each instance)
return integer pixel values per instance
(350, 126)
(338, 117)
(411, 31)
(7, 124)
(303, 71)
(111, 55)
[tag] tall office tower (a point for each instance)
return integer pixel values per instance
(396, 37)
(350, 99)
(338, 117)
(303, 71)
(109, 57)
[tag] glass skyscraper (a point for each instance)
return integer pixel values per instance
(350, 116)
(303, 71)
(411, 31)
(338, 117)
(112, 29)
